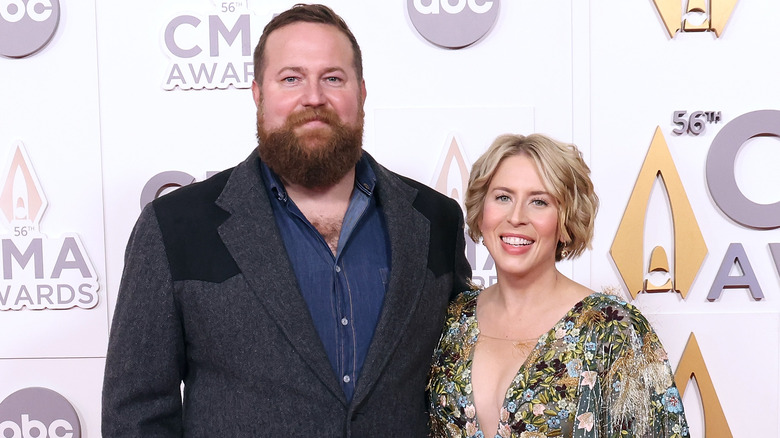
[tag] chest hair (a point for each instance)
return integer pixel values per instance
(329, 229)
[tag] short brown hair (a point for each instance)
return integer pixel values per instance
(310, 14)
(565, 175)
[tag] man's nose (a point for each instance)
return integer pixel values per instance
(313, 94)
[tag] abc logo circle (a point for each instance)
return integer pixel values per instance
(453, 24)
(26, 26)
(38, 413)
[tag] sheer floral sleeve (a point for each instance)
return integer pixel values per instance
(636, 395)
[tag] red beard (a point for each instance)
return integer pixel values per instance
(315, 158)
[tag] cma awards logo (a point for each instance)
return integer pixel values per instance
(453, 24)
(27, 26)
(695, 15)
(628, 250)
(210, 50)
(38, 272)
(38, 413)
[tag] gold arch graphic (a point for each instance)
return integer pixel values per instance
(627, 249)
(671, 12)
(692, 366)
(20, 197)
(453, 161)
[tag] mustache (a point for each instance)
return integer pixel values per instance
(307, 115)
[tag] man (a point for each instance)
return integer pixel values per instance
(300, 293)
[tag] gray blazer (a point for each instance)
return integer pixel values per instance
(208, 298)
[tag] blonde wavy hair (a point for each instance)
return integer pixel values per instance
(565, 176)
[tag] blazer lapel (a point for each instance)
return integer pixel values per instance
(409, 235)
(252, 237)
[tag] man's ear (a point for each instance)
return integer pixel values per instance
(256, 93)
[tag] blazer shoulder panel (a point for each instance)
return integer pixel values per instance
(188, 219)
(446, 220)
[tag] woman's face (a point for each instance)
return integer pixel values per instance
(519, 222)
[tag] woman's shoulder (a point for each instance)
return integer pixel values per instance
(609, 309)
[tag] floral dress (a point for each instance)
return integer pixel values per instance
(601, 371)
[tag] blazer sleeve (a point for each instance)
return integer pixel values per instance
(145, 362)
(462, 269)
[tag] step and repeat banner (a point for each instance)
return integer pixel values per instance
(675, 104)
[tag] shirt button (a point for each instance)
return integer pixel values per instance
(338, 268)
(346, 379)
(344, 321)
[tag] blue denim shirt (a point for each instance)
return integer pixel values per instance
(344, 292)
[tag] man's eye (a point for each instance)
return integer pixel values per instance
(290, 79)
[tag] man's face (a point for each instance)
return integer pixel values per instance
(310, 105)
(308, 66)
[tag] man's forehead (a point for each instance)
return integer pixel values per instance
(299, 44)
(304, 30)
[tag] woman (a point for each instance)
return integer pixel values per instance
(537, 354)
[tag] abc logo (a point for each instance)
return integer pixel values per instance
(453, 24)
(26, 26)
(38, 413)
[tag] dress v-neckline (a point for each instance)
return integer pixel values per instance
(523, 366)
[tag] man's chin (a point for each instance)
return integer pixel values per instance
(315, 139)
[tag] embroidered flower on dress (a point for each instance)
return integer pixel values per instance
(672, 401)
(449, 387)
(573, 367)
(471, 428)
(528, 395)
(470, 411)
(539, 409)
(511, 407)
(585, 421)
(503, 415)
(589, 378)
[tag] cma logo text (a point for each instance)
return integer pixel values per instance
(38, 272)
(210, 51)
(698, 15)
(628, 250)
